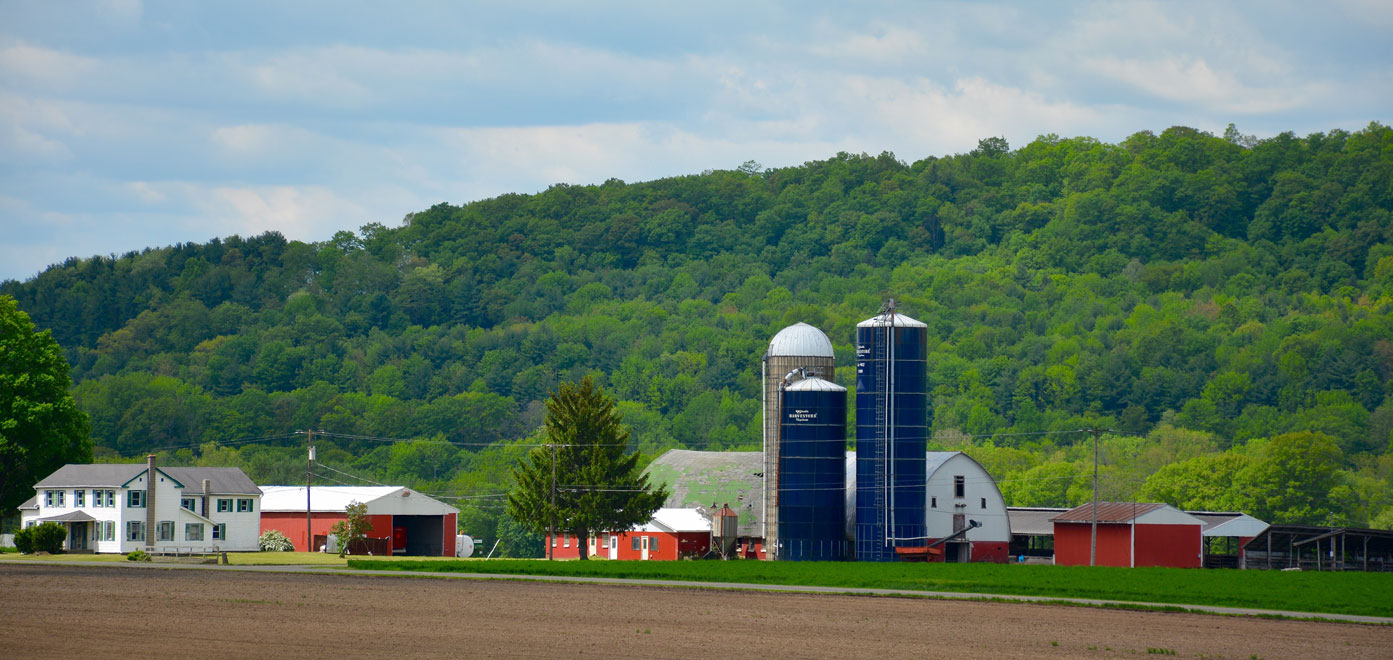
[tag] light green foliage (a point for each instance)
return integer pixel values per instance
(1234, 287)
(352, 530)
(40, 426)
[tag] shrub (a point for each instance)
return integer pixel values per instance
(137, 555)
(272, 540)
(24, 540)
(47, 537)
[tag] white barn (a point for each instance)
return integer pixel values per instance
(959, 492)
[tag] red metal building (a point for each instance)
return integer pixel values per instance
(403, 522)
(671, 534)
(1129, 534)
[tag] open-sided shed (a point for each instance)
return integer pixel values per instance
(403, 522)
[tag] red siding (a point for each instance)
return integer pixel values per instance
(1169, 545)
(991, 552)
(449, 530)
(671, 545)
(293, 525)
(1071, 544)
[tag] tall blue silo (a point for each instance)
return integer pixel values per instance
(891, 432)
(812, 472)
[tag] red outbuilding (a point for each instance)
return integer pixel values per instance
(671, 534)
(1129, 534)
(403, 522)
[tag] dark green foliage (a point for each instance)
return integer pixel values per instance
(1172, 283)
(43, 537)
(584, 480)
(1310, 591)
(41, 428)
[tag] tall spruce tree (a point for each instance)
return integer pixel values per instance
(583, 481)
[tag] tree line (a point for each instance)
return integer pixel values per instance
(1208, 298)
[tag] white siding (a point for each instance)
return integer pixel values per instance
(977, 485)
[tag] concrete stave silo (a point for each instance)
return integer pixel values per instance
(798, 351)
(891, 432)
(812, 474)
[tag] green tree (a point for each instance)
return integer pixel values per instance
(1291, 477)
(41, 428)
(583, 481)
(354, 528)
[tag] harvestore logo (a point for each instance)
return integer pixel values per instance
(801, 415)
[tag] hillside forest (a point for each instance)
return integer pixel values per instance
(1221, 305)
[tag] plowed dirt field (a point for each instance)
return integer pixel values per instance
(138, 612)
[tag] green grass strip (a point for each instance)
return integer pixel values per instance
(1338, 593)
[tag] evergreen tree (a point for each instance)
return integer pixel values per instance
(583, 481)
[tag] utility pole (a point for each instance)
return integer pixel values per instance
(1093, 535)
(309, 475)
(551, 535)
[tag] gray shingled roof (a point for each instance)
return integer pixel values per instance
(105, 475)
(226, 480)
(700, 478)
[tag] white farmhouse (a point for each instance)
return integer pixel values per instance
(113, 508)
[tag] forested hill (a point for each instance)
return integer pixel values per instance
(1222, 303)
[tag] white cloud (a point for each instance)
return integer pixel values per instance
(45, 66)
(1193, 81)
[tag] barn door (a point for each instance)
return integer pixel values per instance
(613, 546)
(645, 548)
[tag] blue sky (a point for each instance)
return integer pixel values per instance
(128, 124)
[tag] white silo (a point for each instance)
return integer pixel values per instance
(795, 352)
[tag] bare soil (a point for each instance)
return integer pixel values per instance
(119, 611)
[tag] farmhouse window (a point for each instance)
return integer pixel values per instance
(220, 532)
(135, 530)
(135, 499)
(110, 496)
(54, 497)
(193, 531)
(108, 528)
(164, 530)
(79, 497)
(224, 505)
(635, 540)
(187, 503)
(959, 486)
(244, 505)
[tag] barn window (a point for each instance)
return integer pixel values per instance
(959, 486)
(933, 502)
(653, 544)
(984, 503)
(635, 540)
(566, 540)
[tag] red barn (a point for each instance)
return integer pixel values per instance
(403, 522)
(671, 534)
(1129, 534)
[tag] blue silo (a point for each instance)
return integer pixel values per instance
(812, 471)
(891, 432)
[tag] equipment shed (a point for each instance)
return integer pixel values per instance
(403, 522)
(1129, 534)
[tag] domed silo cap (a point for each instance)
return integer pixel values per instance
(800, 340)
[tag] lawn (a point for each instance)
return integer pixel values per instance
(1344, 593)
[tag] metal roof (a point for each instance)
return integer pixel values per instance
(814, 384)
(224, 480)
(677, 520)
(883, 320)
(1032, 521)
(1109, 512)
(1228, 523)
(381, 500)
(800, 340)
(703, 478)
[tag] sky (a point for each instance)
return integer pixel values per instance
(127, 124)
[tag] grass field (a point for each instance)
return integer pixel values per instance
(1344, 593)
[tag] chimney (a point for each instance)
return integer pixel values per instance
(207, 488)
(150, 482)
